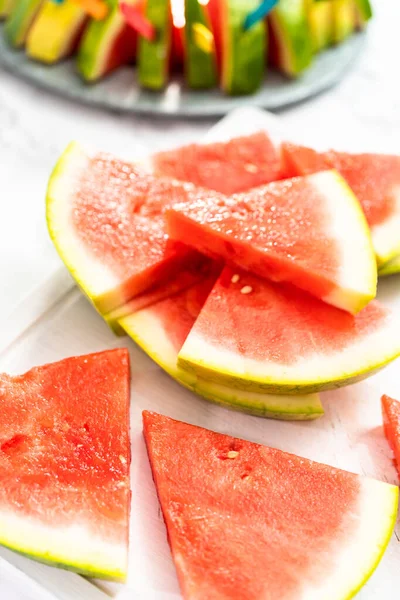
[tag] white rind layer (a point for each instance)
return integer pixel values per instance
(313, 372)
(92, 275)
(386, 236)
(74, 547)
(148, 331)
(357, 274)
(355, 558)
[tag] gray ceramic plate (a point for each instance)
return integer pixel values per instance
(120, 91)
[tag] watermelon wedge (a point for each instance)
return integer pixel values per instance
(227, 167)
(309, 231)
(320, 17)
(248, 521)
(344, 19)
(107, 44)
(291, 36)
(106, 219)
(200, 58)
(375, 180)
(243, 52)
(6, 7)
(64, 463)
(154, 55)
(161, 329)
(390, 268)
(190, 274)
(56, 30)
(264, 337)
(391, 424)
(20, 20)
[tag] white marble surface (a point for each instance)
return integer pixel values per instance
(362, 112)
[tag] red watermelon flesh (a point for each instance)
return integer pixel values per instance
(226, 167)
(308, 231)
(106, 218)
(123, 50)
(391, 423)
(246, 521)
(273, 337)
(374, 179)
(64, 463)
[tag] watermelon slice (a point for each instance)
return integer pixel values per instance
(391, 424)
(56, 30)
(375, 180)
(228, 167)
(64, 463)
(154, 55)
(292, 38)
(248, 521)
(107, 44)
(243, 52)
(344, 19)
(20, 20)
(390, 268)
(106, 219)
(320, 16)
(6, 7)
(161, 329)
(197, 270)
(200, 59)
(265, 337)
(309, 231)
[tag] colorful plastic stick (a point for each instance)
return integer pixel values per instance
(259, 13)
(135, 19)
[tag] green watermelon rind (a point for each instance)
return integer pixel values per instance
(96, 41)
(19, 21)
(243, 54)
(31, 540)
(364, 11)
(153, 56)
(390, 268)
(290, 24)
(145, 330)
(320, 16)
(344, 19)
(6, 7)
(200, 66)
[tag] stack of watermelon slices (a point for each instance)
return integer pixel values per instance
(292, 312)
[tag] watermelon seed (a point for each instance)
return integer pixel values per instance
(250, 168)
(247, 289)
(232, 454)
(235, 278)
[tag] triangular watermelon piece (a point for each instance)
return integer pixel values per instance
(64, 463)
(106, 218)
(391, 423)
(374, 179)
(227, 167)
(248, 521)
(107, 44)
(56, 30)
(274, 338)
(310, 231)
(162, 328)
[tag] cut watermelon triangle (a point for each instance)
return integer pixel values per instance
(106, 218)
(64, 463)
(161, 329)
(375, 180)
(310, 231)
(248, 521)
(55, 31)
(227, 167)
(391, 423)
(271, 338)
(107, 44)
